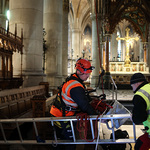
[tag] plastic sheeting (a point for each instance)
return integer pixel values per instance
(118, 108)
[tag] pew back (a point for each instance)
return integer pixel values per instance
(16, 102)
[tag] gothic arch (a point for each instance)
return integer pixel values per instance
(136, 15)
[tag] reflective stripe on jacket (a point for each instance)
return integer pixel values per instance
(66, 92)
(144, 92)
(69, 102)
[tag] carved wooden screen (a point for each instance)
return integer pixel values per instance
(9, 43)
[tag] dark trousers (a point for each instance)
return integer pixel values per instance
(143, 142)
(64, 133)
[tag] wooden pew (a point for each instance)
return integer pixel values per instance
(16, 102)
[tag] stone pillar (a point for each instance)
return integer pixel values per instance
(65, 38)
(107, 74)
(113, 47)
(107, 53)
(95, 53)
(76, 42)
(145, 49)
(136, 49)
(104, 56)
(28, 14)
(53, 26)
(141, 56)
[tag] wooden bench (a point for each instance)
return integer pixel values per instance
(16, 102)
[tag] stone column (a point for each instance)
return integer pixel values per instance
(95, 53)
(53, 26)
(104, 56)
(76, 42)
(107, 53)
(113, 47)
(28, 14)
(145, 50)
(65, 38)
(141, 54)
(107, 74)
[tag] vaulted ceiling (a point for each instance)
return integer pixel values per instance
(137, 12)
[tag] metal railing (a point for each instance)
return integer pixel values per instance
(114, 89)
(53, 139)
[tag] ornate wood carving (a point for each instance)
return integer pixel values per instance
(9, 43)
(136, 12)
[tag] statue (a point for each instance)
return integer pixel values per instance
(128, 39)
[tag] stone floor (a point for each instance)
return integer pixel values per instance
(121, 94)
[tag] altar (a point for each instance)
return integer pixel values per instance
(122, 74)
(121, 71)
(119, 67)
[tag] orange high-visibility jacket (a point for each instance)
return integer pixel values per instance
(69, 102)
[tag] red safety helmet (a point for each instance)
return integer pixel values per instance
(84, 66)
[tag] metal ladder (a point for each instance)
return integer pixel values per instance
(54, 140)
(37, 139)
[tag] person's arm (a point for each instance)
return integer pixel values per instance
(78, 95)
(139, 113)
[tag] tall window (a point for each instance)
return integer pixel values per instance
(8, 17)
(87, 44)
(119, 45)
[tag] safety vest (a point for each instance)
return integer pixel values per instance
(71, 105)
(144, 92)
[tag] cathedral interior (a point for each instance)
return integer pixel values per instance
(40, 41)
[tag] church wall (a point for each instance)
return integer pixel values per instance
(29, 16)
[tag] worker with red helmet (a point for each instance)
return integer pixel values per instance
(72, 97)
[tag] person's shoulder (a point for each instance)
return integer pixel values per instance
(74, 83)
